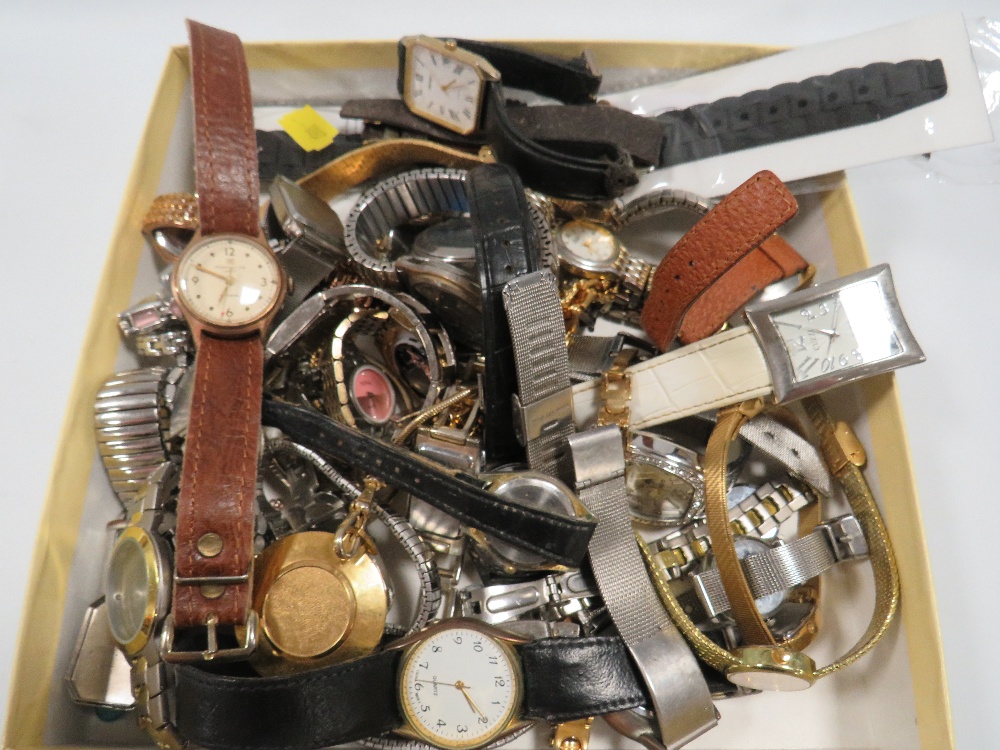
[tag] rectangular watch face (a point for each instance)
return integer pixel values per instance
(443, 83)
(834, 333)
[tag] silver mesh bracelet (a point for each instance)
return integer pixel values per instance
(415, 197)
(681, 699)
(544, 402)
(787, 565)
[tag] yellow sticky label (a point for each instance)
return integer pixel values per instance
(308, 128)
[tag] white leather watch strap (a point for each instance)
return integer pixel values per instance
(723, 369)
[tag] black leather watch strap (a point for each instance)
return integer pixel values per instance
(572, 81)
(564, 678)
(505, 249)
(568, 678)
(557, 538)
(854, 96)
(316, 709)
(581, 170)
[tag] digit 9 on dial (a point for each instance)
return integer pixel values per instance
(460, 688)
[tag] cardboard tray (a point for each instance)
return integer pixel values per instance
(895, 698)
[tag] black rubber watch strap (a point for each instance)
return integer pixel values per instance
(569, 678)
(505, 249)
(316, 709)
(854, 96)
(558, 538)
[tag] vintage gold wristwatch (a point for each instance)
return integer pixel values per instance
(229, 285)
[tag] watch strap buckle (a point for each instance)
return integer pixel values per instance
(548, 415)
(847, 542)
(247, 643)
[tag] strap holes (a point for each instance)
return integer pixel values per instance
(803, 103)
(772, 110)
(832, 96)
(691, 263)
(677, 277)
(745, 116)
(863, 89)
(795, 453)
(508, 268)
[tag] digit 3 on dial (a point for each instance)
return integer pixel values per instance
(460, 688)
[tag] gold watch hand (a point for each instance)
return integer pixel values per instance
(472, 703)
(202, 268)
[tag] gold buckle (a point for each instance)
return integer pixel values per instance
(213, 652)
(616, 392)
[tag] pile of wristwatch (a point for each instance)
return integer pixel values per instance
(452, 434)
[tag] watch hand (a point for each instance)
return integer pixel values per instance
(227, 279)
(449, 85)
(833, 324)
(472, 704)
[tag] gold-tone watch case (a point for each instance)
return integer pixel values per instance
(505, 640)
(158, 573)
(259, 323)
(483, 69)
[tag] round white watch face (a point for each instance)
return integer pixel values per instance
(229, 281)
(588, 244)
(443, 89)
(459, 688)
(836, 333)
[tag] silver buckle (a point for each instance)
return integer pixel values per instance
(543, 417)
(845, 537)
(213, 652)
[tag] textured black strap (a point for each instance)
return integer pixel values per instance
(505, 249)
(579, 170)
(571, 81)
(564, 678)
(316, 709)
(569, 678)
(557, 538)
(854, 96)
(278, 153)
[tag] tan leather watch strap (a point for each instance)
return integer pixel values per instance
(736, 225)
(215, 508)
(225, 144)
(773, 260)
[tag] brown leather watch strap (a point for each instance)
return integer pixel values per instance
(736, 225)
(773, 260)
(215, 508)
(225, 144)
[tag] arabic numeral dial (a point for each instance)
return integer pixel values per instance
(458, 687)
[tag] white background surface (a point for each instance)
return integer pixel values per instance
(76, 81)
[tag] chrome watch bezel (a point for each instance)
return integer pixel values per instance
(760, 316)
